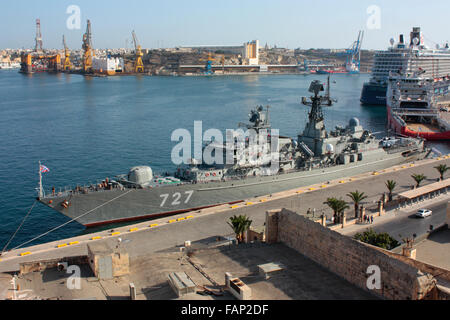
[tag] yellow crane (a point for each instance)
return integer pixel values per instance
(67, 65)
(138, 64)
(87, 49)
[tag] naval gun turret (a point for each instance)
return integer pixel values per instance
(258, 118)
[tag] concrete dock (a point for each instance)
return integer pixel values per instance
(164, 237)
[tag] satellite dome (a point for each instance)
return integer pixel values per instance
(354, 122)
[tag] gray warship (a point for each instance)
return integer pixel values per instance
(287, 163)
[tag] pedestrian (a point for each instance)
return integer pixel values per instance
(371, 219)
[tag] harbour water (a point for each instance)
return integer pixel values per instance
(85, 129)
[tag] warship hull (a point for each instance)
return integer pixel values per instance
(113, 206)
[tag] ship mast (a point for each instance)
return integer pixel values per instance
(41, 192)
(314, 131)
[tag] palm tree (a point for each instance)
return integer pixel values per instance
(442, 168)
(239, 224)
(390, 184)
(418, 178)
(338, 206)
(357, 197)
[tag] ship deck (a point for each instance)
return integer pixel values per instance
(422, 127)
(444, 115)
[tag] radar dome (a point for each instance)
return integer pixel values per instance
(354, 122)
(140, 175)
(416, 41)
(392, 41)
(329, 148)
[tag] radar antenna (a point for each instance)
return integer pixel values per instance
(316, 114)
(258, 120)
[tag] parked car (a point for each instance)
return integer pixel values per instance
(422, 213)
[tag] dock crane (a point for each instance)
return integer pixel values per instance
(208, 66)
(87, 49)
(222, 62)
(67, 65)
(354, 55)
(138, 64)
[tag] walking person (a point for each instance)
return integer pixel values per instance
(371, 219)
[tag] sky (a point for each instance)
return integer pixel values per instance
(286, 23)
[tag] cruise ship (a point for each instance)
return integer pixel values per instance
(402, 57)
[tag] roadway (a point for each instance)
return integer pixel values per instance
(404, 223)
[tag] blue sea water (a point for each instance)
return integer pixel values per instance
(87, 128)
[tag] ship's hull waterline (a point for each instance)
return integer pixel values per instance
(112, 206)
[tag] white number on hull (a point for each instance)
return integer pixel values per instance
(176, 198)
(189, 193)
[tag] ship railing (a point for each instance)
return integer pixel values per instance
(409, 111)
(68, 191)
(397, 149)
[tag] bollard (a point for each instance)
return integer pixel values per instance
(132, 291)
(228, 277)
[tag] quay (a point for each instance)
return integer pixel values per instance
(158, 245)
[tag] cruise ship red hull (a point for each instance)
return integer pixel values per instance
(399, 128)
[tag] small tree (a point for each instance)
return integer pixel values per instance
(382, 240)
(442, 169)
(390, 184)
(338, 206)
(357, 197)
(418, 178)
(239, 224)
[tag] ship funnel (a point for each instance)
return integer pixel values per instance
(416, 34)
(402, 39)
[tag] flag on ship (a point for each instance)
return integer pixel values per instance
(44, 169)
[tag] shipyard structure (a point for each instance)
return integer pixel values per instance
(250, 57)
